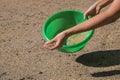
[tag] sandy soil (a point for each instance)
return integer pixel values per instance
(22, 56)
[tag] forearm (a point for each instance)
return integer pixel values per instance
(96, 20)
(89, 24)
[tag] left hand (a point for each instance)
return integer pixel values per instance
(56, 42)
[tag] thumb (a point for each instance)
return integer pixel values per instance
(97, 10)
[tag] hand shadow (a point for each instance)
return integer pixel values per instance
(100, 58)
(106, 73)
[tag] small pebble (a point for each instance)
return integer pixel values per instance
(74, 55)
(80, 74)
(60, 56)
(69, 55)
(29, 51)
(22, 79)
(4, 40)
(9, 40)
(68, 63)
(30, 78)
(40, 72)
(17, 54)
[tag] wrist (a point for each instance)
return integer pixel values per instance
(67, 33)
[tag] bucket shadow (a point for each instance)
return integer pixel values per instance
(106, 73)
(100, 58)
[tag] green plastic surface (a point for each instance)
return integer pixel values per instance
(61, 21)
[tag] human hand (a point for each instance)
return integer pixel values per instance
(56, 42)
(93, 10)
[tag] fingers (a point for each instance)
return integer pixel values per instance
(57, 45)
(48, 44)
(85, 15)
(53, 44)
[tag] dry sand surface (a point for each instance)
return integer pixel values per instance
(23, 57)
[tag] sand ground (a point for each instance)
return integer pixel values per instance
(23, 57)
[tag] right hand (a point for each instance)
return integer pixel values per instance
(92, 11)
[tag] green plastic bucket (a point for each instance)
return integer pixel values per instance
(61, 21)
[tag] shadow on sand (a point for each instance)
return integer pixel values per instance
(101, 59)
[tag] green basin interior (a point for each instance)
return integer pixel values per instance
(61, 21)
